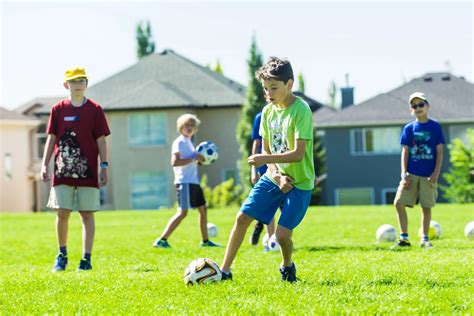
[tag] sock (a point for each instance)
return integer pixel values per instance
(424, 238)
(164, 239)
(403, 236)
(205, 241)
(63, 250)
(87, 256)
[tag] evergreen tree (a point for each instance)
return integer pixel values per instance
(145, 42)
(254, 103)
(319, 159)
(300, 83)
(460, 178)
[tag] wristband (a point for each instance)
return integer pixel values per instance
(404, 175)
(104, 165)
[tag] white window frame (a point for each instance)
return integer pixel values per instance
(337, 190)
(453, 126)
(166, 188)
(364, 152)
(384, 192)
(165, 128)
(38, 136)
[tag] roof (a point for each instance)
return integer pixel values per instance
(15, 117)
(39, 105)
(451, 99)
(314, 105)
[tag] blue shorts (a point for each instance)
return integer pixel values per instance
(265, 198)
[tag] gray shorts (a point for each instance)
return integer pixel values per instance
(74, 198)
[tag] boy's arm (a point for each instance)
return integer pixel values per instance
(177, 161)
(256, 145)
(48, 152)
(102, 146)
(404, 161)
(295, 155)
(439, 161)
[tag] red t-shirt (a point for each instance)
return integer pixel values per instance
(76, 151)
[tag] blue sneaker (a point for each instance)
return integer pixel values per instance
(288, 273)
(60, 264)
(266, 249)
(209, 244)
(160, 243)
(84, 265)
(226, 276)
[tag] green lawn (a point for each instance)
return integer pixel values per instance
(341, 267)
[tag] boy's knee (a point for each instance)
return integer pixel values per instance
(63, 214)
(282, 237)
(182, 214)
(243, 219)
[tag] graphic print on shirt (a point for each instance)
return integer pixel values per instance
(421, 149)
(279, 139)
(69, 162)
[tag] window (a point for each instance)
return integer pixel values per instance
(41, 137)
(355, 196)
(226, 174)
(388, 196)
(7, 166)
(147, 129)
(379, 140)
(149, 190)
(459, 131)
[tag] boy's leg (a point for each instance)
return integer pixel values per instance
(88, 231)
(236, 238)
(407, 193)
(402, 218)
(425, 220)
(203, 222)
(271, 227)
(283, 236)
(62, 226)
(174, 222)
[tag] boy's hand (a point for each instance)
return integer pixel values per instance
(406, 183)
(257, 160)
(254, 178)
(44, 174)
(433, 178)
(103, 177)
(286, 183)
(199, 158)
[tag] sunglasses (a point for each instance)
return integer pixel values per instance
(81, 80)
(418, 105)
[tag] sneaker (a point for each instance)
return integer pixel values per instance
(401, 243)
(209, 244)
(84, 265)
(160, 243)
(288, 273)
(60, 264)
(266, 249)
(226, 276)
(256, 233)
(426, 244)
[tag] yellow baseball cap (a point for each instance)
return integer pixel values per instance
(75, 72)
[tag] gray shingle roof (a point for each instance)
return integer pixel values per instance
(7, 115)
(451, 99)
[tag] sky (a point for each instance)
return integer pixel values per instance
(380, 45)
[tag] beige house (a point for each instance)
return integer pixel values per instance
(142, 104)
(19, 191)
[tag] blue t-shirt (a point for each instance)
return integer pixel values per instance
(422, 139)
(256, 136)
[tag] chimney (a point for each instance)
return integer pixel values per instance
(347, 95)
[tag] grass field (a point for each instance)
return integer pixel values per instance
(341, 267)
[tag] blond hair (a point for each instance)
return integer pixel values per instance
(185, 118)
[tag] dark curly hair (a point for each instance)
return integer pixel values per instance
(277, 69)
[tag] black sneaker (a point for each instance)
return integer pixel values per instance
(256, 233)
(288, 273)
(401, 243)
(226, 276)
(84, 265)
(60, 264)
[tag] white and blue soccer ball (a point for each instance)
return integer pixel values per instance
(437, 229)
(469, 230)
(209, 151)
(386, 233)
(211, 230)
(273, 243)
(202, 271)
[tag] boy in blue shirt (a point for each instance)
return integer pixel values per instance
(287, 132)
(422, 156)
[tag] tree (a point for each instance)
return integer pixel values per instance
(145, 42)
(300, 83)
(460, 178)
(254, 103)
(319, 159)
(218, 68)
(332, 92)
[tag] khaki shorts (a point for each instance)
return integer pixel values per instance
(74, 198)
(421, 189)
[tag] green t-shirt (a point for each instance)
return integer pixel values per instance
(281, 128)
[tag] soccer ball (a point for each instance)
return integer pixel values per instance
(265, 240)
(469, 230)
(434, 232)
(201, 271)
(209, 151)
(211, 230)
(386, 233)
(273, 243)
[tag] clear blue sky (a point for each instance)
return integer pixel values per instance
(378, 44)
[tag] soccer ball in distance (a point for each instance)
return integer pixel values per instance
(209, 151)
(434, 232)
(211, 230)
(386, 233)
(265, 240)
(273, 243)
(202, 271)
(469, 230)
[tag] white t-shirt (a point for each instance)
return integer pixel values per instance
(189, 172)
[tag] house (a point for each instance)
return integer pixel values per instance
(362, 140)
(19, 191)
(142, 104)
